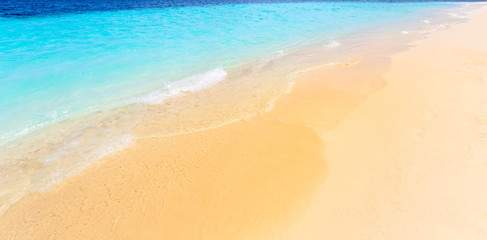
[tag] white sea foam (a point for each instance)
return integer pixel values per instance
(272, 103)
(426, 21)
(19, 132)
(99, 138)
(280, 52)
(332, 44)
(192, 84)
(435, 29)
(456, 15)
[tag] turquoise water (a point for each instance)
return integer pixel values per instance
(56, 66)
(74, 86)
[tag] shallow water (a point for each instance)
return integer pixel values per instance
(74, 83)
(55, 66)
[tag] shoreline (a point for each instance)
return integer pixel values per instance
(43, 159)
(202, 163)
(409, 161)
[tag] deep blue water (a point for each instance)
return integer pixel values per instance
(19, 8)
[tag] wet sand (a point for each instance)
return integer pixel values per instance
(409, 162)
(354, 151)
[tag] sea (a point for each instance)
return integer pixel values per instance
(77, 75)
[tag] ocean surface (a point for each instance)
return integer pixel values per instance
(64, 60)
(60, 58)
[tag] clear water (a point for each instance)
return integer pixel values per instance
(71, 71)
(55, 66)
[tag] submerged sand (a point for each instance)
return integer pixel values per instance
(350, 153)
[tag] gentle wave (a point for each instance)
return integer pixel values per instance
(46, 78)
(190, 84)
(332, 44)
(69, 144)
(90, 143)
(87, 156)
(86, 141)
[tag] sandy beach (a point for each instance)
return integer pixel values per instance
(356, 150)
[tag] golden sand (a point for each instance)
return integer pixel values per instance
(348, 154)
(410, 161)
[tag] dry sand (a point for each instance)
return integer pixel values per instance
(410, 162)
(348, 154)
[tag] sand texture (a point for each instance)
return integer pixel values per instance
(354, 151)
